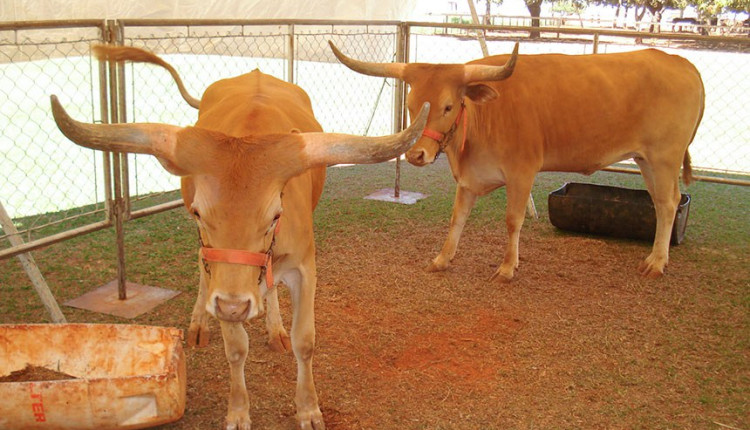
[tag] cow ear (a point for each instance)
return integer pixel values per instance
(480, 93)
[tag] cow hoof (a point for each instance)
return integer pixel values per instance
(502, 276)
(311, 421)
(281, 343)
(197, 337)
(650, 271)
(238, 422)
(437, 265)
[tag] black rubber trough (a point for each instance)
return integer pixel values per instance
(611, 211)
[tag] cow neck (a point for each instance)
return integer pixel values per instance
(264, 260)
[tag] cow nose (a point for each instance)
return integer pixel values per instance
(417, 157)
(233, 310)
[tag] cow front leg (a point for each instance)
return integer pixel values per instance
(236, 349)
(302, 287)
(462, 205)
(278, 339)
(518, 193)
(666, 197)
(198, 334)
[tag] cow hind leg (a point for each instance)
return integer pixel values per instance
(278, 339)
(647, 173)
(518, 193)
(462, 205)
(198, 334)
(302, 287)
(666, 197)
(236, 349)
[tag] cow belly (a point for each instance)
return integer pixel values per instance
(585, 165)
(481, 180)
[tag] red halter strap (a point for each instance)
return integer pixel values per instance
(264, 260)
(443, 138)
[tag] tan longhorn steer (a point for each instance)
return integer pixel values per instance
(502, 119)
(253, 169)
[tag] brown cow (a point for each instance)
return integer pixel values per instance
(502, 119)
(256, 151)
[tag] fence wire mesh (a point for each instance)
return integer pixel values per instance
(48, 183)
(51, 185)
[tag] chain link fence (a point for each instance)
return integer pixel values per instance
(48, 185)
(51, 187)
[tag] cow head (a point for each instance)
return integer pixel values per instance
(237, 185)
(444, 86)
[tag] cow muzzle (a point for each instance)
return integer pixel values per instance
(422, 154)
(234, 310)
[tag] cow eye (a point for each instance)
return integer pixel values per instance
(275, 219)
(196, 215)
(448, 108)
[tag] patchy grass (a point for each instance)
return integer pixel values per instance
(578, 340)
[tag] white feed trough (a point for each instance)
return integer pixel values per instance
(90, 376)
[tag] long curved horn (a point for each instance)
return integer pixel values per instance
(384, 70)
(332, 148)
(479, 72)
(137, 55)
(159, 140)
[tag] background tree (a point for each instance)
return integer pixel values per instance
(569, 7)
(707, 9)
(488, 9)
(534, 7)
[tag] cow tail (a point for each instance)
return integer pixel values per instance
(687, 169)
(137, 55)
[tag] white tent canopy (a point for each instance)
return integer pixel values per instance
(35, 10)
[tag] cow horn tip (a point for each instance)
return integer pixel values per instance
(335, 50)
(57, 109)
(423, 114)
(425, 109)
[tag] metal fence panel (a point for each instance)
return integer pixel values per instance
(48, 184)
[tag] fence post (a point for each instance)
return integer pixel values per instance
(118, 160)
(290, 56)
(596, 43)
(29, 265)
(402, 52)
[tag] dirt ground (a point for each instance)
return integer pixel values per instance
(577, 341)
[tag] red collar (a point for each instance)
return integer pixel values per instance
(443, 138)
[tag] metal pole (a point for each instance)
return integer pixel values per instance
(290, 56)
(118, 204)
(402, 41)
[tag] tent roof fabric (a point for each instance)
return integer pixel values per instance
(39, 10)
